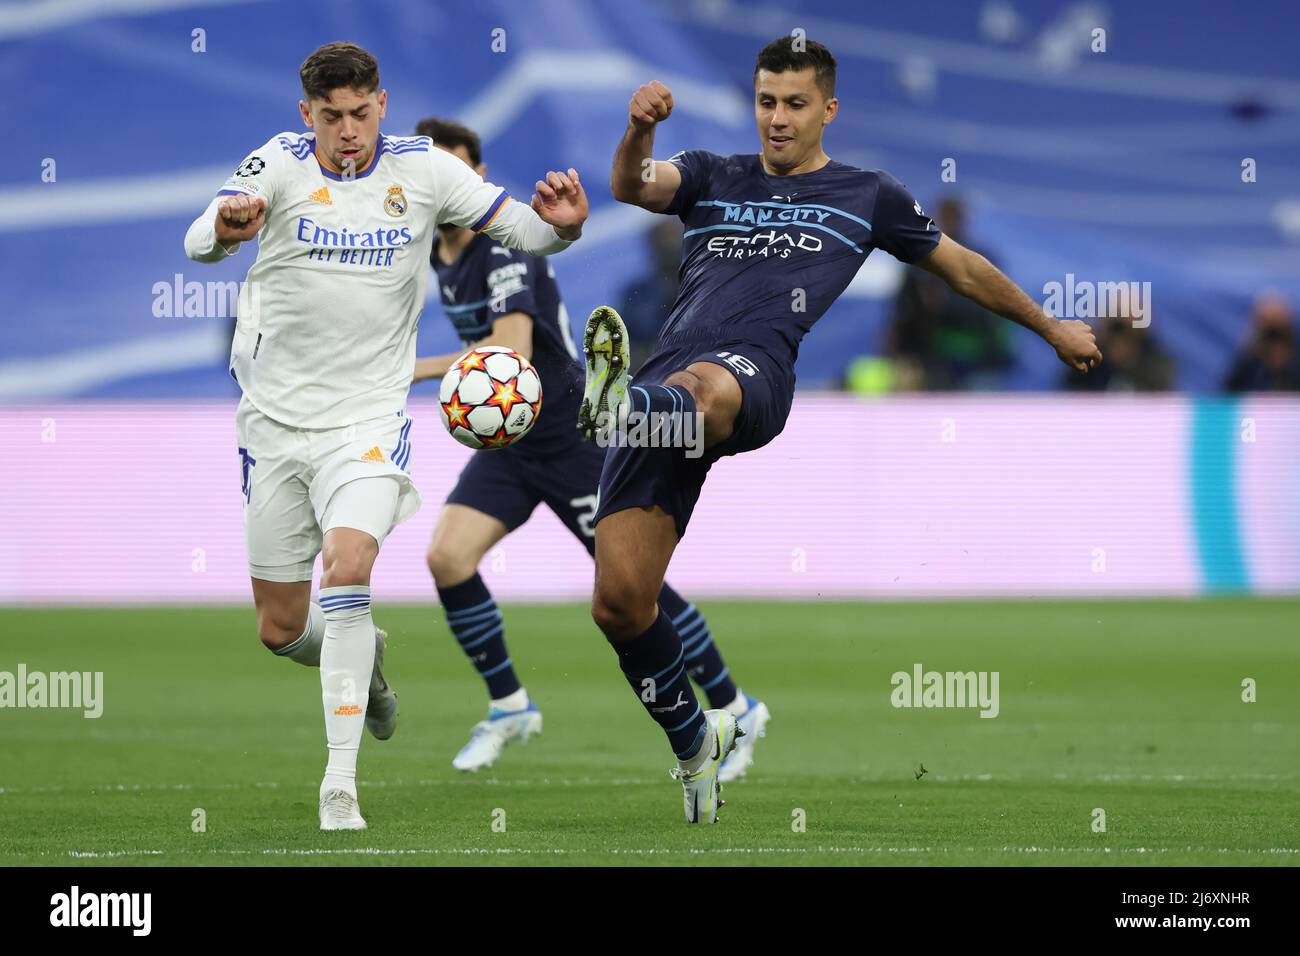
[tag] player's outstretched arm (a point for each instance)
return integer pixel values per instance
(973, 276)
(637, 178)
(227, 222)
(561, 201)
(552, 224)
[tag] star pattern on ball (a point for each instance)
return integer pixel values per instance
(499, 440)
(504, 397)
(472, 361)
(456, 412)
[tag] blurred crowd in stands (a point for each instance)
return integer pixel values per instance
(940, 341)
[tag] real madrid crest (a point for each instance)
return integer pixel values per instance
(395, 204)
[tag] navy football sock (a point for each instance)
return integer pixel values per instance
(653, 663)
(670, 400)
(473, 617)
(703, 659)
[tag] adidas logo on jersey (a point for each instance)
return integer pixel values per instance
(322, 196)
(373, 455)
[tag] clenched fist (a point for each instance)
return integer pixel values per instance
(651, 104)
(1076, 345)
(239, 218)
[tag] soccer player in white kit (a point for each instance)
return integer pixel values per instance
(324, 351)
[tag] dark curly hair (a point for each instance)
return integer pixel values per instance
(337, 65)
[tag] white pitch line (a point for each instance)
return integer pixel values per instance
(1226, 778)
(664, 851)
(364, 784)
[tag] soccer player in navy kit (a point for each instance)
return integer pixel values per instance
(771, 240)
(496, 296)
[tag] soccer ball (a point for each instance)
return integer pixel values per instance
(490, 397)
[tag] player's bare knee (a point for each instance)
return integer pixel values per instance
(717, 405)
(697, 386)
(348, 566)
(448, 565)
(277, 629)
(613, 617)
(348, 572)
(621, 613)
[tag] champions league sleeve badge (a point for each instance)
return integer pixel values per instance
(395, 203)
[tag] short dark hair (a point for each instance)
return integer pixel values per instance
(780, 56)
(449, 134)
(337, 65)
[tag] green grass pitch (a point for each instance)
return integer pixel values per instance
(1134, 707)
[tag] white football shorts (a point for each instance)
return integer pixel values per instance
(291, 480)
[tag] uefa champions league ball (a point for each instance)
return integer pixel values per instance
(490, 397)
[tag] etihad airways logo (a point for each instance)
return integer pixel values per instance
(779, 229)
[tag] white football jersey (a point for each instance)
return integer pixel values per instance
(327, 322)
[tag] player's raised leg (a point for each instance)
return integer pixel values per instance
(461, 538)
(702, 389)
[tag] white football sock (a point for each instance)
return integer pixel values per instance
(512, 702)
(740, 706)
(347, 659)
(306, 648)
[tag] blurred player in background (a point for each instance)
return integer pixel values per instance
(1270, 359)
(498, 296)
(324, 349)
(771, 241)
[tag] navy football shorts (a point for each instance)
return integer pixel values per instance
(563, 474)
(643, 477)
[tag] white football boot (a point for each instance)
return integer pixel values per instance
(489, 737)
(702, 788)
(752, 724)
(605, 351)
(381, 709)
(339, 811)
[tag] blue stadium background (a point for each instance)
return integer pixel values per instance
(1122, 165)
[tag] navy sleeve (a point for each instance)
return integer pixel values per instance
(696, 167)
(899, 225)
(511, 280)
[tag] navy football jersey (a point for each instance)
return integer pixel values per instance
(488, 281)
(765, 256)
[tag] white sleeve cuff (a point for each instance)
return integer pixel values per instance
(201, 243)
